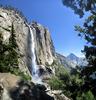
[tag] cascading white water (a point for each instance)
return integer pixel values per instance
(35, 69)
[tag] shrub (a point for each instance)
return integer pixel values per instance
(55, 83)
(62, 74)
(86, 96)
(24, 76)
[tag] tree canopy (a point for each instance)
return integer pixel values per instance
(81, 6)
(88, 32)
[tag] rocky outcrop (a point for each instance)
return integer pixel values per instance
(45, 51)
(58, 95)
(7, 82)
(7, 17)
(21, 90)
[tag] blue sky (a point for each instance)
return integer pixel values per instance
(57, 18)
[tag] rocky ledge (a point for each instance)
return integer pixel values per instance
(14, 88)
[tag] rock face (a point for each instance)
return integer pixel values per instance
(44, 49)
(45, 52)
(20, 90)
(7, 82)
(7, 17)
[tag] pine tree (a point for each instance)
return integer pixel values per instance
(8, 53)
(12, 40)
(13, 55)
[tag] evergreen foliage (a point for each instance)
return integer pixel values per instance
(86, 96)
(68, 83)
(88, 32)
(81, 6)
(8, 53)
(55, 83)
(9, 56)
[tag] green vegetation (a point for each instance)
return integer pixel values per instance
(71, 84)
(86, 96)
(81, 85)
(9, 56)
(8, 53)
(55, 83)
(19, 73)
(80, 7)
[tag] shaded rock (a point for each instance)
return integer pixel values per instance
(44, 70)
(57, 94)
(29, 91)
(7, 82)
(13, 88)
(1, 91)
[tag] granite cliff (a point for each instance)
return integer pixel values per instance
(45, 52)
(7, 17)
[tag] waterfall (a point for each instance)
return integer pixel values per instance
(35, 69)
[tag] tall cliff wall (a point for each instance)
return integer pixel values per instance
(45, 52)
(7, 17)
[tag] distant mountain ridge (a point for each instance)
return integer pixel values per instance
(71, 61)
(80, 61)
(73, 58)
(68, 64)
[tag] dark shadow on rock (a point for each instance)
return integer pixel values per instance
(41, 72)
(29, 91)
(49, 70)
